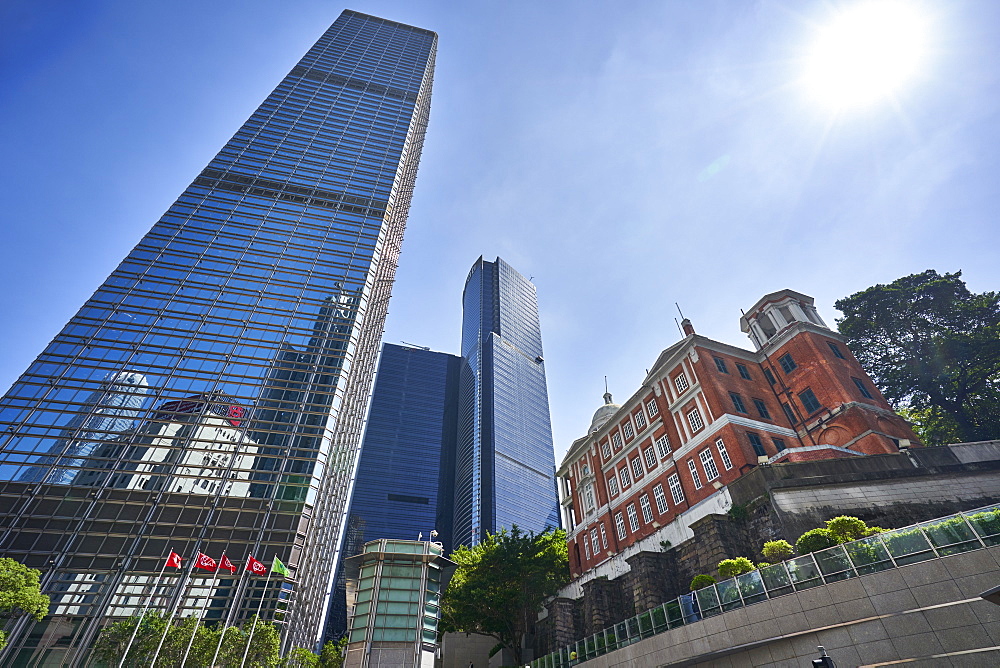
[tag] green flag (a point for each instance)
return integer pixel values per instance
(278, 567)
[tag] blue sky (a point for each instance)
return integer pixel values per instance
(626, 155)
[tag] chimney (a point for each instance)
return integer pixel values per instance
(687, 327)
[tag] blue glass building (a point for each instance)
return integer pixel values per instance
(505, 463)
(405, 472)
(210, 395)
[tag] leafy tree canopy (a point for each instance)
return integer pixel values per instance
(500, 584)
(933, 348)
(20, 593)
(333, 653)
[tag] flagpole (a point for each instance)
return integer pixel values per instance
(225, 622)
(142, 614)
(208, 597)
(253, 627)
(170, 620)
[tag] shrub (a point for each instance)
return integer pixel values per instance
(730, 568)
(762, 564)
(845, 528)
(873, 530)
(813, 540)
(701, 581)
(777, 550)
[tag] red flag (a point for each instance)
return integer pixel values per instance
(224, 563)
(206, 562)
(174, 560)
(256, 567)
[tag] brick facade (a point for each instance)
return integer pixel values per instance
(708, 413)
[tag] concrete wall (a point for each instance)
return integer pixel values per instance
(926, 614)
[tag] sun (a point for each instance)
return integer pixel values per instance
(867, 53)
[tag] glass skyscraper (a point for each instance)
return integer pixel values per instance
(405, 478)
(505, 463)
(210, 395)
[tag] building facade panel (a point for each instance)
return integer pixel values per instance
(262, 290)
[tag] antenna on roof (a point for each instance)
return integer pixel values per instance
(679, 310)
(679, 330)
(605, 383)
(413, 345)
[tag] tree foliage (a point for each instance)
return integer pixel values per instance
(777, 550)
(111, 644)
(933, 348)
(701, 581)
(814, 540)
(20, 591)
(333, 653)
(730, 568)
(500, 584)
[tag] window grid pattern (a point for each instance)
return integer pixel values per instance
(720, 445)
(633, 518)
(613, 485)
(762, 409)
(620, 526)
(860, 384)
(663, 445)
(625, 476)
(695, 477)
(660, 498)
(647, 510)
(720, 364)
(788, 364)
(756, 444)
(604, 536)
(640, 420)
(637, 468)
(708, 463)
(694, 419)
(652, 407)
(676, 491)
(627, 430)
(650, 457)
(218, 371)
(744, 372)
(681, 382)
(738, 402)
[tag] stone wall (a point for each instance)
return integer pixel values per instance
(926, 614)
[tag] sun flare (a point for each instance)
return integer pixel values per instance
(867, 53)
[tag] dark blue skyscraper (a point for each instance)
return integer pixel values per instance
(405, 479)
(505, 464)
(210, 395)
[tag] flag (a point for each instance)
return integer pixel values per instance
(206, 562)
(279, 567)
(224, 563)
(174, 560)
(256, 567)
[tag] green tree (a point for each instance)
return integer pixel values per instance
(701, 581)
(730, 568)
(333, 653)
(300, 657)
(933, 347)
(111, 644)
(20, 593)
(500, 584)
(777, 550)
(846, 528)
(814, 540)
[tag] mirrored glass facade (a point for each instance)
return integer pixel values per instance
(505, 463)
(210, 395)
(405, 479)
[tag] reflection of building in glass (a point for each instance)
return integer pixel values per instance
(394, 598)
(194, 446)
(109, 411)
(229, 294)
(411, 428)
(505, 463)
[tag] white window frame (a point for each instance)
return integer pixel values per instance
(626, 477)
(652, 407)
(586, 545)
(681, 383)
(589, 498)
(616, 440)
(724, 454)
(661, 499)
(606, 450)
(637, 470)
(633, 517)
(640, 420)
(613, 485)
(650, 457)
(663, 446)
(647, 510)
(627, 431)
(593, 540)
(604, 536)
(695, 420)
(620, 526)
(708, 463)
(695, 477)
(676, 490)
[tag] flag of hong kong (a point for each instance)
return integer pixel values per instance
(225, 564)
(206, 562)
(256, 567)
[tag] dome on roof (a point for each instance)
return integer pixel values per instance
(603, 414)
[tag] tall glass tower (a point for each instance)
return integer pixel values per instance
(505, 463)
(405, 479)
(210, 395)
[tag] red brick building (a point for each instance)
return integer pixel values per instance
(707, 413)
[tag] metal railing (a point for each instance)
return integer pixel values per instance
(961, 532)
